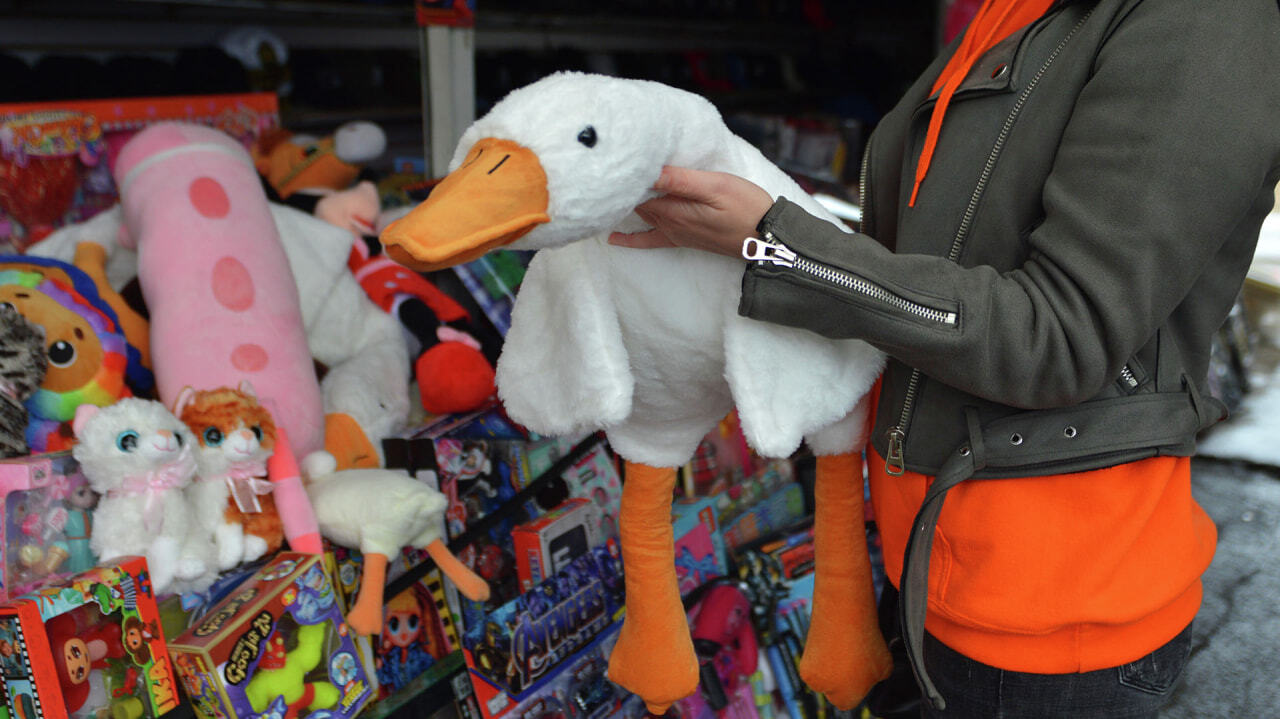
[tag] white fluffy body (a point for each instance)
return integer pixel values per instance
(377, 511)
(177, 559)
(648, 344)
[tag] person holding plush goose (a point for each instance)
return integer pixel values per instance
(649, 347)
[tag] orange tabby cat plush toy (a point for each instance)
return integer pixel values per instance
(231, 497)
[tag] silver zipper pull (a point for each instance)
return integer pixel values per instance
(758, 250)
(895, 464)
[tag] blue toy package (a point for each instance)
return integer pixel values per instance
(522, 649)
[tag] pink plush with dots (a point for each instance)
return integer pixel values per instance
(223, 303)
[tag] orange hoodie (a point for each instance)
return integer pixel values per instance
(1056, 574)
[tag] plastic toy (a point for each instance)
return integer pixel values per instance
(44, 521)
(648, 346)
(283, 674)
(137, 455)
(379, 512)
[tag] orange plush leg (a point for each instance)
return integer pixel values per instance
(468, 582)
(844, 654)
(365, 616)
(654, 655)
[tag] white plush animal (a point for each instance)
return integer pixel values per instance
(648, 344)
(379, 512)
(138, 456)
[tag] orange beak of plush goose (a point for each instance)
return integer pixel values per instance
(495, 197)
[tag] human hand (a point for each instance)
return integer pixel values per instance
(710, 211)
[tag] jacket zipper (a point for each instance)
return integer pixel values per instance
(895, 462)
(772, 251)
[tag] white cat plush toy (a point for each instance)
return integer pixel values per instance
(138, 456)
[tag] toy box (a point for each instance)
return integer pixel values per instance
(595, 477)
(89, 645)
(56, 157)
(277, 646)
(45, 521)
(699, 543)
(518, 653)
(419, 644)
(545, 545)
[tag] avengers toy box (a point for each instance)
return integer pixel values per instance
(91, 646)
(277, 646)
(519, 652)
(44, 522)
(545, 545)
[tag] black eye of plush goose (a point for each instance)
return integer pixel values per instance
(588, 136)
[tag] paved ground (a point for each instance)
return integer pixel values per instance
(1234, 671)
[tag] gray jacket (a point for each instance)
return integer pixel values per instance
(1091, 210)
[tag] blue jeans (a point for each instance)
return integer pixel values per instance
(977, 691)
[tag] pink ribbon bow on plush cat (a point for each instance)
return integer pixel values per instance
(154, 484)
(245, 483)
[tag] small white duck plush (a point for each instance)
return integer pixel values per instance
(138, 456)
(380, 511)
(648, 346)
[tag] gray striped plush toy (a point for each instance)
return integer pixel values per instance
(22, 367)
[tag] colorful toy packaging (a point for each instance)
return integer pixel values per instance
(55, 158)
(276, 647)
(545, 545)
(91, 645)
(45, 523)
(524, 657)
(418, 644)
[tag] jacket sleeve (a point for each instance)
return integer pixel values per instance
(1169, 147)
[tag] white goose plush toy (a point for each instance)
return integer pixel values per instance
(648, 346)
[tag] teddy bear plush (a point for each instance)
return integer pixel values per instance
(138, 456)
(22, 368)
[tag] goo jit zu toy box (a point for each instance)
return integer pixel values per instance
(277, 646)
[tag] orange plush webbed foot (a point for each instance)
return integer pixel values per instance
(844, 654)
(365, 617)
(654, 656)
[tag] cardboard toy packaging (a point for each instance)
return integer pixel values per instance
(545, 545)
(56, 157)
(419, 643)
(519, 653)
(45, 521)
(277, 646)
(90, 646)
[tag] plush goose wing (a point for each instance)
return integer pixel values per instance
(788, 383)
(564, 368)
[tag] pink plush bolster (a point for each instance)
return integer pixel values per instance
(223, 302)
(296, 514)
